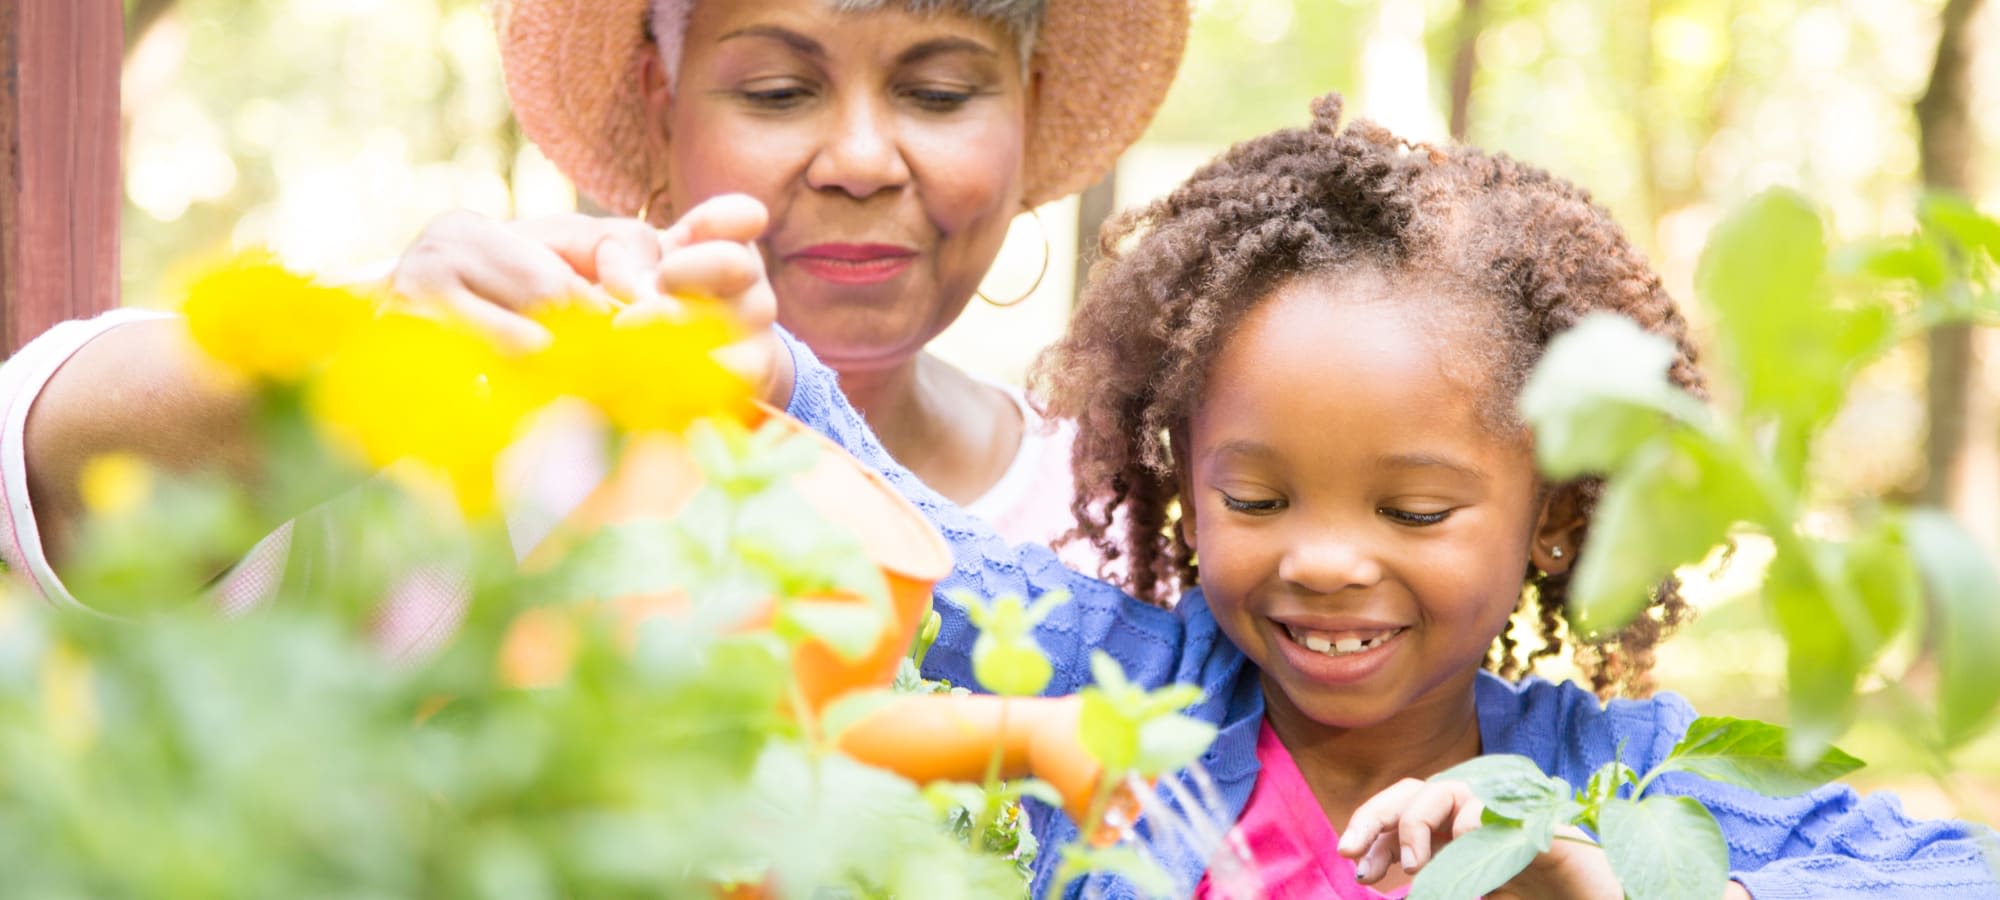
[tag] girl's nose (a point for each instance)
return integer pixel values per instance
(860, 155)
(1327, 564)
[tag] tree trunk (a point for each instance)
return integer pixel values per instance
(1464, 61)
(1946, 147)
(59, 176)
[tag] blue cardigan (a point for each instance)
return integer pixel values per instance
(1828, 843)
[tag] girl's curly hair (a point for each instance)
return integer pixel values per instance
(1526, 254)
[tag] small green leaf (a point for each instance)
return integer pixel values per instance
(1034, 788)
(1962, 223)
(1010, 668)
(1915, 258)
(1475, 863)
(1605, 782)
(1752, 754)
(1107, 733)
(1965, 599)
(1509, 785)
(850, 629)
(1170, 742)
(1107, 673)
(1600, 393)
(1665, 848)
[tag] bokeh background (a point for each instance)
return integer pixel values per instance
(332, 130)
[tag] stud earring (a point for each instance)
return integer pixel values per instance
(1556, 552)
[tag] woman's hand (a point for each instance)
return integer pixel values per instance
(494, 274)
(1410, 821)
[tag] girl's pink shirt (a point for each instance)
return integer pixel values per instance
(1290, 840)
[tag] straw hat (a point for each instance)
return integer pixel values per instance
(571, 70)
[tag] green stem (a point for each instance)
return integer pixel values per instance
(990, 806)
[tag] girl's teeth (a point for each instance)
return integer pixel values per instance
(1341, 647)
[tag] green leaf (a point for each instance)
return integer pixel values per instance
(1915, 258)
(1010, 668)
(1764, 274)
(1605, 782)
(1107, 673)
(1107, 733)
(1965, 599)
(1508, 784)
(1752, 754)
(1034, 788)
(1667, 507)
(1169, 742)
(1664, 848)
(850, 629)
(1961, 222)
(1822, 662)
(1475, 863)
(1600, 393)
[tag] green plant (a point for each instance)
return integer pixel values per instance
(1661, 847)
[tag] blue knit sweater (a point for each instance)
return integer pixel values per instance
(1828, 843)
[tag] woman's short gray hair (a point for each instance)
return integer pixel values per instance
(1021, 18)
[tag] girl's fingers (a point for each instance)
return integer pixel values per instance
(1440, 812)
(1377, 815)
(1376, 862)
(1468, 817)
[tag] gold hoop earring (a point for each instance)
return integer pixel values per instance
(646, 209)
(1047, 251)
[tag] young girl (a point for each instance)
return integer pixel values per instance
(1295, 378)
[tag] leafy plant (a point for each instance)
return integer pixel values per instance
(1660, 845)
(1684, 477)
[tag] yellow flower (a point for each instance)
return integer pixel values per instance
(115, 484)
(652, 374)
(419, 389)
(267, 323)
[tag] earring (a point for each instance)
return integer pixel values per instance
(1556, 552)
(647, 208)
(1046, 253)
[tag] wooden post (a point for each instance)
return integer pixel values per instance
(59, 174)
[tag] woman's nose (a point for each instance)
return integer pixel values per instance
(860, 155)
(1324, 563)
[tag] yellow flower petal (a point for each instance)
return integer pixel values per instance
(115, 484)
(267, 323)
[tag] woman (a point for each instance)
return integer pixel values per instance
(891, 142)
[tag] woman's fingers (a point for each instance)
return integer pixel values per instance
(502, 264)
(735, 218)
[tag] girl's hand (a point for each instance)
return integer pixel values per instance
(1410, 821)
(494, 274)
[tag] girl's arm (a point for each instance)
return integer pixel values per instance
(1144, 639)
(1834, 842)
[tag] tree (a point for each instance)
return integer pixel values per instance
(1946, 146)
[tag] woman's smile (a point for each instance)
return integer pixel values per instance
(859, 264)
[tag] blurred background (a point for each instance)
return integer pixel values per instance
(332, 130)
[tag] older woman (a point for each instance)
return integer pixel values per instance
(890, 142)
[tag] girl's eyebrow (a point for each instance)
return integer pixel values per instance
(1428, 461)
(1241, 447)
